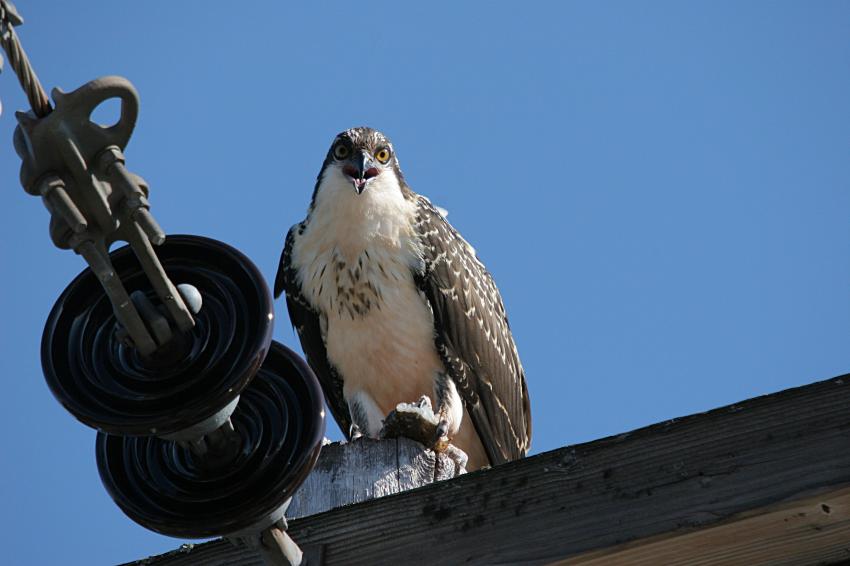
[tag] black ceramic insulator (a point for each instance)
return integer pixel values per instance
(108, 386)
(163, 487)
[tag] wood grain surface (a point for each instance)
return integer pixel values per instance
(734, 473)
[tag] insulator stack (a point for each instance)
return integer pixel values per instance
(211, 434)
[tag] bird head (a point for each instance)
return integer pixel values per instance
(361, 157)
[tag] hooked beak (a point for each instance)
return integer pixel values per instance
(360, 169)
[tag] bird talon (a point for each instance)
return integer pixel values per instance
(459, 457)
(443, 429)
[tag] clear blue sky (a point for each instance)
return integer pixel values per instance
(661, 189)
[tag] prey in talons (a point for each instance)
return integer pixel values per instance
(417, 421)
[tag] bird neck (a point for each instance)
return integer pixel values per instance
(351, 223)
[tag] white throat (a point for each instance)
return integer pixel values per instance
(354, 244)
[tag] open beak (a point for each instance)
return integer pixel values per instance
(360, 169)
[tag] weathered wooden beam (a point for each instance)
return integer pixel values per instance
(813, 530)
(708, 488)
(367, 469)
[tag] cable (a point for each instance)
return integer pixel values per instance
(9, 18)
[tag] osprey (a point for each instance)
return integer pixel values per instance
(391, 305)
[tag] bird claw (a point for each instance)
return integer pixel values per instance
(424, 404)
(418, 422)
(443, 429)
(354, 433)
(441, 440)
(440, 444)
(457, 456)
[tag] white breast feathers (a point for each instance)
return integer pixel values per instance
(355, 260)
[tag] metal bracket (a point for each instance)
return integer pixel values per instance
(77, 167)
(269, 538)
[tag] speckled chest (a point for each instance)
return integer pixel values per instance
(348, 268)
(356, 261)
(352, 287)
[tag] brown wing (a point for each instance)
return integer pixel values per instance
(474, 337)
(305, 320)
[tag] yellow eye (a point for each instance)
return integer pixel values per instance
(383, 155)
(341, 151)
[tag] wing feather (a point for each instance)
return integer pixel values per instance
(474, 337)
(307, 323)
